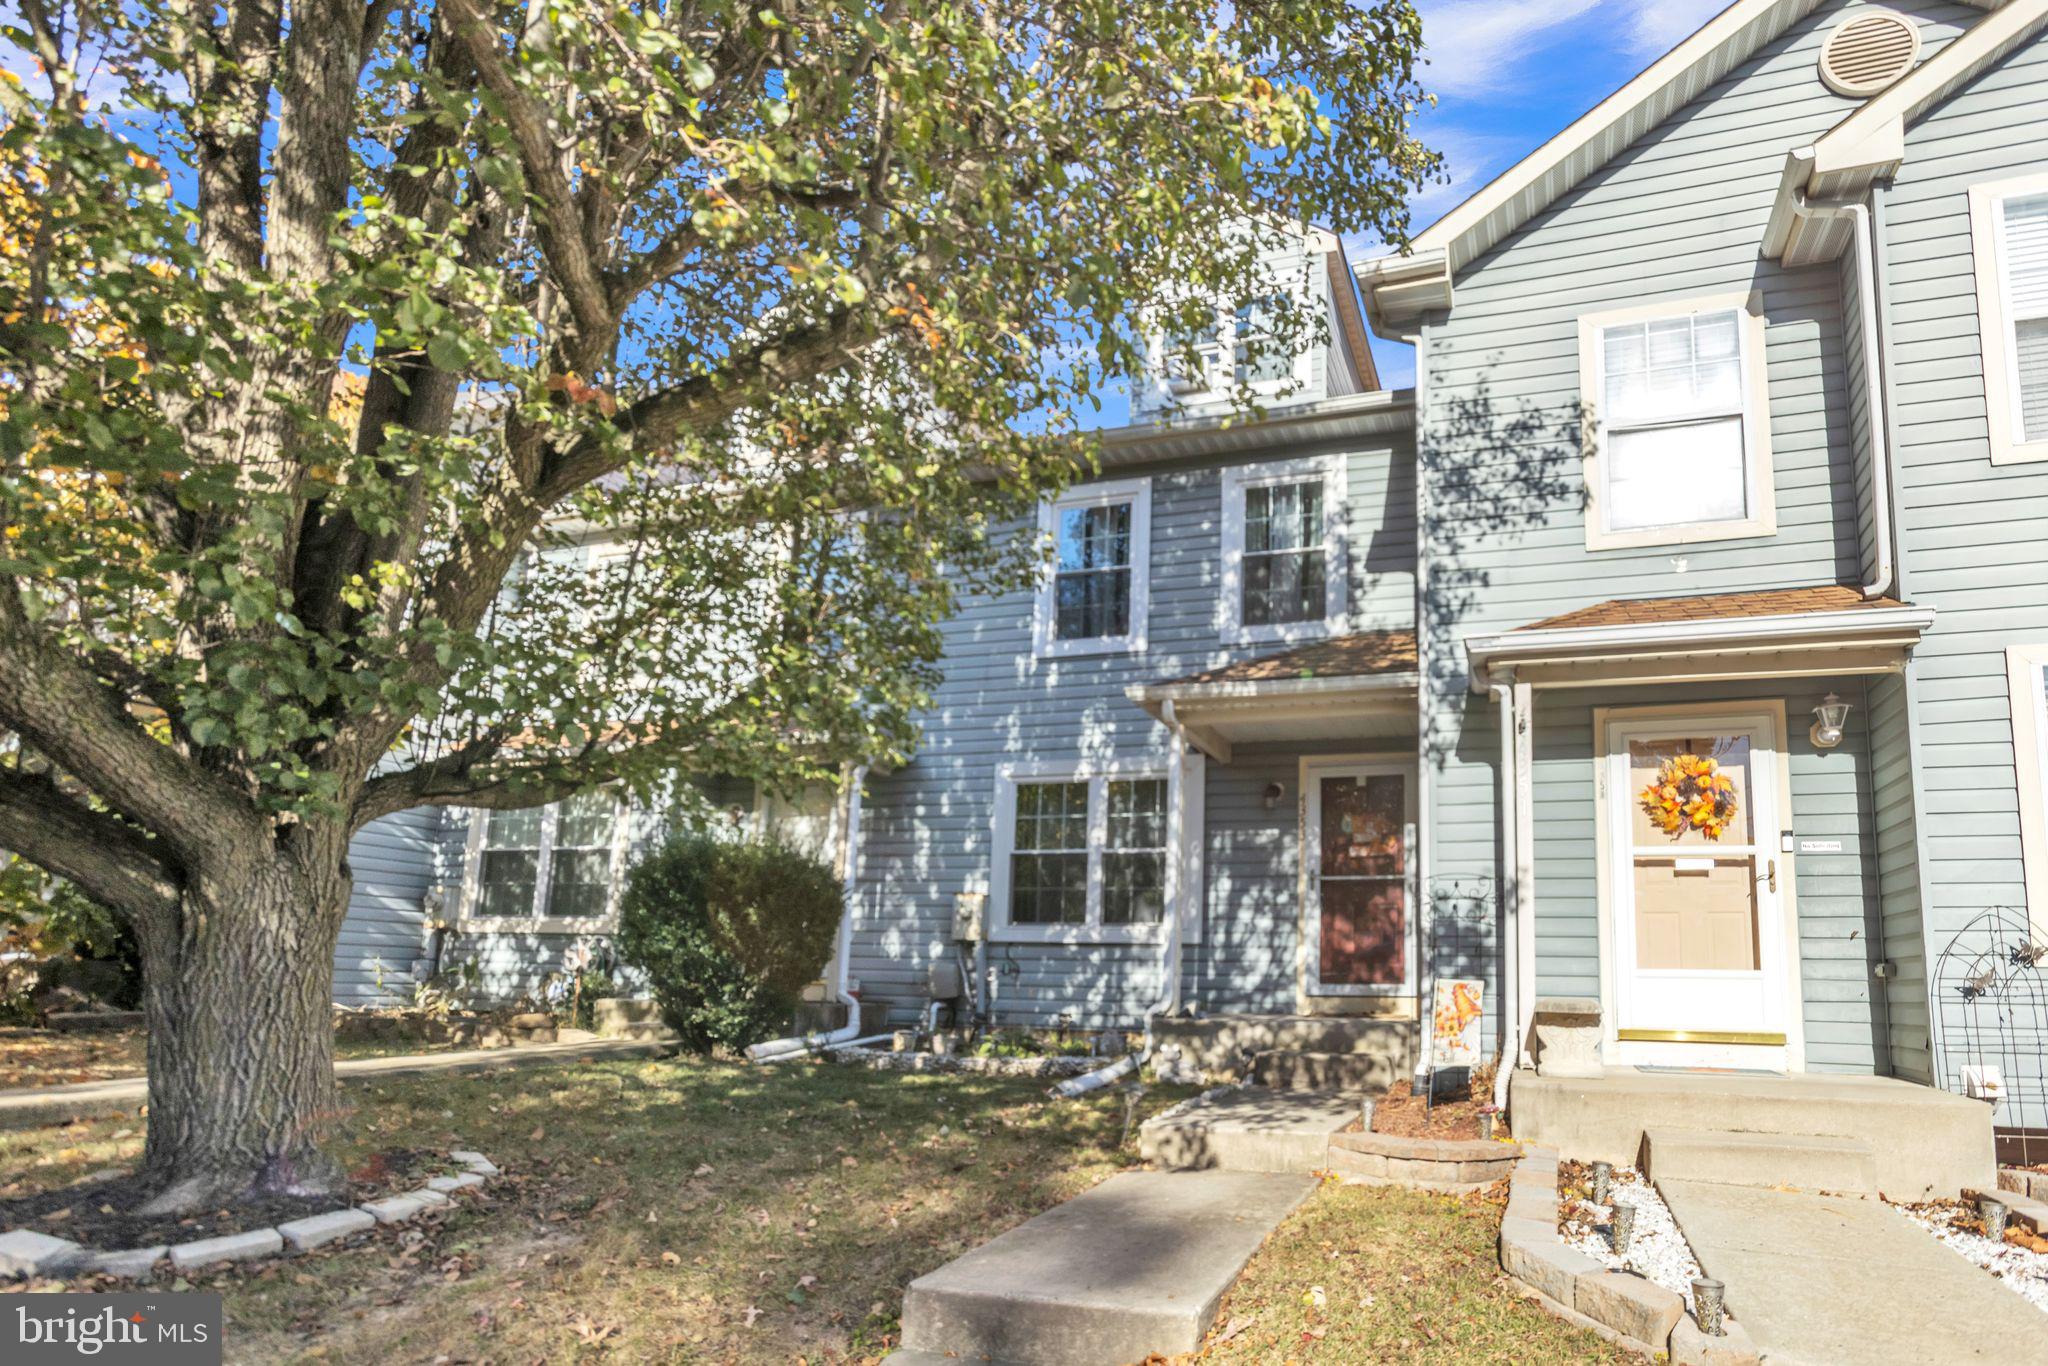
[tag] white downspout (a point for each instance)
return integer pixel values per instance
(1511, 921)
(849, 862)
(1858, 214)
(1425, 785)
(1170, 956)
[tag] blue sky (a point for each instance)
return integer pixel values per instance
(1507, 75)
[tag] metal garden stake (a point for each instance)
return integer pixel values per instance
(1708, 1296)
(1993, 1214)
(1603, 1174)
(1624, 1227)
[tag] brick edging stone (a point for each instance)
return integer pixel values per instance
(1625, 1309)
(1437, 1164)
(25, 1252)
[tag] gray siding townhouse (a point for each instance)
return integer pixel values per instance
(1678, 643)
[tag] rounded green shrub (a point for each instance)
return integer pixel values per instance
(728, 933)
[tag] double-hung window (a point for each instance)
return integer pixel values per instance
(2009, 226)
(2027, 673)
(553, 866)
(1283, 550)
(1092, 599)
(1263, 359)
(1080, 855)
(1677, 425)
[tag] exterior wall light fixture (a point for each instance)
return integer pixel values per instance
(1828, 719)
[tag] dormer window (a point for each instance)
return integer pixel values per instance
(1262, 357)
(1241, 348)
(1192, 363)
(1092, 599)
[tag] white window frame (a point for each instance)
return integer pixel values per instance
(1756, 423)
(1045, 641)
(1219, 379)
(472, 879)
(1097, 775)
(1994, 317)
(1333, 471)
(2029, 698)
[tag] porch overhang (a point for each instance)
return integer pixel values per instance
(1780, 634)
(1347, 687)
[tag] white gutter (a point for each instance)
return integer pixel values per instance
(1510, 900)
(1245, 690)
(1565, 644)
(1170, 952)
(848, 1033)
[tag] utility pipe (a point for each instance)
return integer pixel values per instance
(1510, 899)
(844, 1036)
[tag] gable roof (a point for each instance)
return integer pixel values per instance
(1398, 287)
(1870, 144)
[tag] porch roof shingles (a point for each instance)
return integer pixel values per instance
(1768, 602)
(1354, 656)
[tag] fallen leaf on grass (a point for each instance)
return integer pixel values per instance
(1234, 1327)
(752, 1314)
(671, 1259)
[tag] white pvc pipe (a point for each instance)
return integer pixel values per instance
(1510, 899)
(1873, 389)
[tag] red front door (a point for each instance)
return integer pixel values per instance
(1359, 820)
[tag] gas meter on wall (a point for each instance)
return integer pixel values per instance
(967, 915)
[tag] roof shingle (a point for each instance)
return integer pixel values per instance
(1353, 656)
(1769, 602)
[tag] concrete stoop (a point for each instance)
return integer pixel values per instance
(1249, 1129)
(1809, 1162)
(1134, 1267)
(1227, 1046)
(1922, 1142)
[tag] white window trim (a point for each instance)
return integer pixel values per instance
(1097, 775)
(1045, 643)
(1994, 295)
(1222, 377)
(2024, 664)
(1756, 424)
(1333, 471)
(472, 879)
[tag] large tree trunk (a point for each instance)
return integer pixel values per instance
(237, 998)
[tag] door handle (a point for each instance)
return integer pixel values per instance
(1771, 873)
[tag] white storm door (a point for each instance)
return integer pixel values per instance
(1698, 931)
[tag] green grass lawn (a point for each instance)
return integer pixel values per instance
(686, 1211)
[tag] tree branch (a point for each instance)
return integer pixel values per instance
(63, 711)
(572, 257)
(107, 859)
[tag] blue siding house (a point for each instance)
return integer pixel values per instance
(1677, 645)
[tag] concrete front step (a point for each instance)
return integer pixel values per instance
(1225, 1045)
(1927, 1142)
(1285, 1070)
(1133, 1267)
(1249, 1129)
(1809, 1162)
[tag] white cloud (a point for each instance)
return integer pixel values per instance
(1474, 46)
(1657, 26)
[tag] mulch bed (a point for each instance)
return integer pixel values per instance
(1405, 1114)
(96, 1213)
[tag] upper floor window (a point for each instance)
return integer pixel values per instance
(1677, 424)
(2009, 225)
(1262, 357)
(1244, 347)
(1080, 855)
(1093, 598)
(547, 864)
(1283, 550)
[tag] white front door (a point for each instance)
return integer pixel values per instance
(1698, 961)
(1358, 827)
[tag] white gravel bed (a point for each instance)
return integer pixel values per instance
(2024, 1270)
(1657, 1250)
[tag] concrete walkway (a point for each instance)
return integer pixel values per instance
(1824, 1280)
(33, 1106)
(1134, 1267)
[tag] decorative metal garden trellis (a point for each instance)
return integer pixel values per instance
(1462, 938)
(1991, 1026)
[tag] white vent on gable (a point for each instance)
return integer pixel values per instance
(1867, 52)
